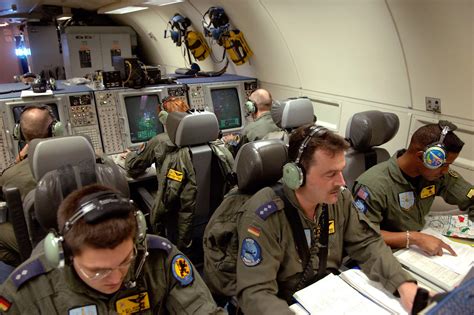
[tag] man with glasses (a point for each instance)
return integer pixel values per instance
(398, 194)
(107, 265)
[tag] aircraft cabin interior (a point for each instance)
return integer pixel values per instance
(105, 66)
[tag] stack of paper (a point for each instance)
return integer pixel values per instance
(350, 293)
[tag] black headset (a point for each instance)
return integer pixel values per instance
(294, 172)
(55, 129)
(435, 154)
(218, 22)
(179, 24)
(93, 208)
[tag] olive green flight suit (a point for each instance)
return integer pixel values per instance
(390, 201)
(177, 186)
(269, 269)
(18, 175)
(259, 128)
(168, 284)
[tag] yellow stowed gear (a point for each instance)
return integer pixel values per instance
(197, 44)
(237, 47)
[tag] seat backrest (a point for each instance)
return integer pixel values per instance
(196, 196)
(49, 154)
(290, 114)
(61, 167)
(258, 164)
(365, 131)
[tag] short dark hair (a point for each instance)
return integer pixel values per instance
(36, 125)
(431, 133)
(326, 140)
(107, 233)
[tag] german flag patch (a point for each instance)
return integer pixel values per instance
(4, 304)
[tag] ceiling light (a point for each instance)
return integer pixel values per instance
(66, 14)
(120, 10)
(162, 2)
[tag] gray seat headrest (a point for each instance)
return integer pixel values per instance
(259, 164)
(187, 129)
(49, 154)
(292, 113)
(371, 128)
(58, 184)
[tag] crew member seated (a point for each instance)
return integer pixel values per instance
(277, 257)
(36, 121)
(154, 151)
(101, 261)
(258, 107)
(397, 194)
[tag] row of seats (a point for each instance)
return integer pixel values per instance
(61, 165)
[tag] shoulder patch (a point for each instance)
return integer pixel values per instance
(250, 253)
(363, 193)
(158, 242)
(182, 270)
(27, 272)
(453, 173)
(360, 205)
(265, 210)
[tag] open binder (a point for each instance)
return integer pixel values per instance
(446, 271)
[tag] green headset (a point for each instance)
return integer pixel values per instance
(163, 114)
(435, 154)
(294, 172)
(55, 129)
(251, 107)
(92, 208)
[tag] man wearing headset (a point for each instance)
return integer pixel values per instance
(292, 237)
(258, 107)
(103, 262)
(397, 194)
(35, 122)
(155, 151)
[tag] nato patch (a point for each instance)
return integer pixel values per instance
(360, 205)
(264, 211)
(87, 309)
(182, 270)
(362, 193)
(26, 272)
(406, 200)
(251, 253)
(158, 242)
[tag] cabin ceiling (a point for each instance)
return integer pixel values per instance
(18, 11)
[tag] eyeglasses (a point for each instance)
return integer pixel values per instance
(102, 273)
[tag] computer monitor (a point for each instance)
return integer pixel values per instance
(142, 112)
(11, 110)
(227, 107)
